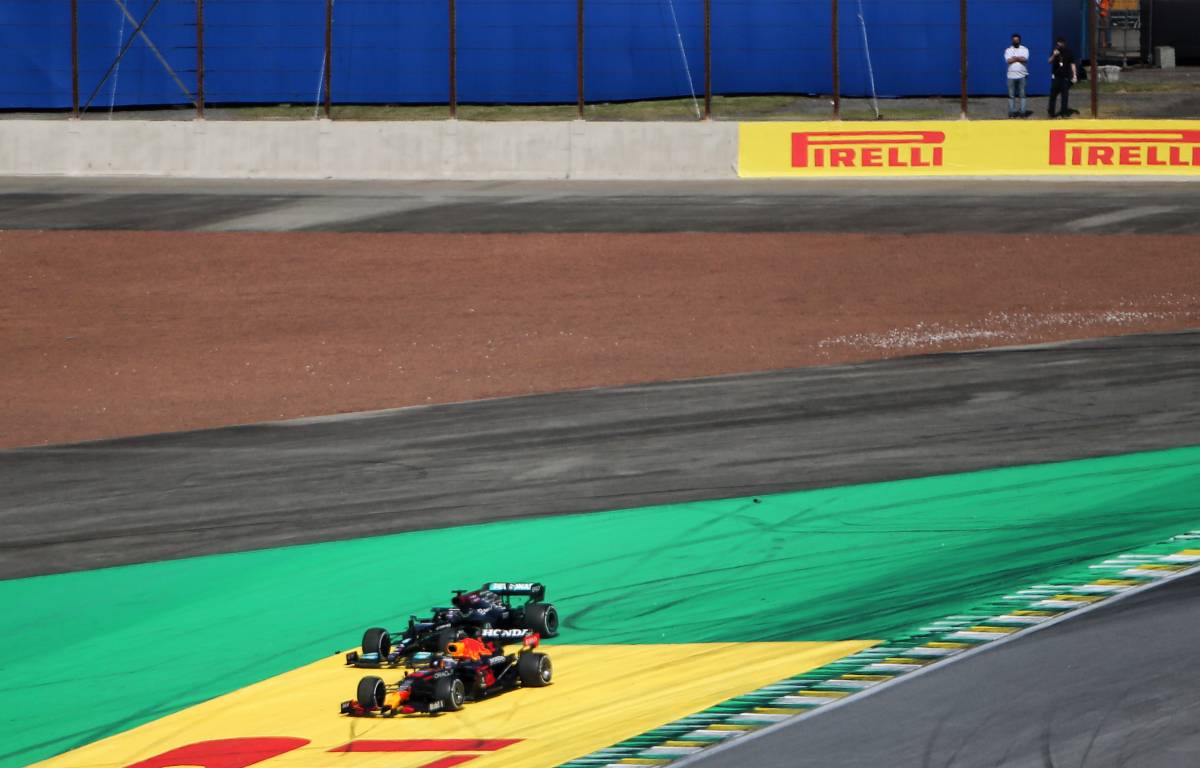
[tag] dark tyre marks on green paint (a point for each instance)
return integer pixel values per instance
(848, 563)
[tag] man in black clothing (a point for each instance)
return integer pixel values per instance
(1062, 75)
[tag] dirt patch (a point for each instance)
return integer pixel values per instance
(120, 333)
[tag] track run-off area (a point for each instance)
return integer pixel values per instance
(667, 610)
(296, 434)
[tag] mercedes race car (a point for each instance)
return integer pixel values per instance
(489, 607)
(469, 670)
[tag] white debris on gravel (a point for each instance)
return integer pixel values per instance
(1016, 327)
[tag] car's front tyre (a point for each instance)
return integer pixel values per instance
(377, 640)
(371, 692)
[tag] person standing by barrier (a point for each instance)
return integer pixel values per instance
(1017, 56)
(1063, 75)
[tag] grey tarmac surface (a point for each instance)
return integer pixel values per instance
(158, 497)
(927, 206)
(1118, 687)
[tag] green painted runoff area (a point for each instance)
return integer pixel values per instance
(85, 655)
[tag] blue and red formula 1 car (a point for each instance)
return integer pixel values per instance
(469, 670)
(489, 607)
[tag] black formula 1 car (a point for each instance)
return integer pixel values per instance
(469, 670)
(489, 607)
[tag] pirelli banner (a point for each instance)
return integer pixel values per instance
(966, 148)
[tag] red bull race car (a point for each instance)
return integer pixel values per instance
(489, 607)
(470, 669)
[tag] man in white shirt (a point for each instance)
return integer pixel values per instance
(1016, 56)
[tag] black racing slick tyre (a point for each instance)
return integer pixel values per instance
(445, 637)
(541, 618)
(534, 669)
(371, 692)
(451, 692)
(377, 640)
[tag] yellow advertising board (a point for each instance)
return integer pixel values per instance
(970, 148)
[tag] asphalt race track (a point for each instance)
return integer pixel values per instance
(1004, 206)
(1115, 687)
(174, 495)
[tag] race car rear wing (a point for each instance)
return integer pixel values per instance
(535, 590)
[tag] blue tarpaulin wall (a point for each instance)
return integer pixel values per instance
(509, 51)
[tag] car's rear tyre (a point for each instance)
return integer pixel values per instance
(371, 692)
(377, 640)
(541, 618)
(451, 692)
(445, 637)
(535, 669)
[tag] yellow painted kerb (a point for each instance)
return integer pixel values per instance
(600, 696)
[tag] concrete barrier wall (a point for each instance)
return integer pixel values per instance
(320, 149)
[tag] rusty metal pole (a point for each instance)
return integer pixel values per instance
(837, 86)
(453, 64)
(199, 59)
(328, 58)
(962, 56)
(707, 59)
(75, 59)
(579, 57)
(1094, 32)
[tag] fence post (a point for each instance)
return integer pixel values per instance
(453, 64)
(837, 86)
(328, 57)
(199, 59)
(579, 57)
(707, 59)
(962, 55)
(75, 59)
(1094, 34)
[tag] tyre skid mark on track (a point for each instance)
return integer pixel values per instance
(846, 680)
